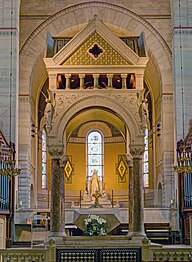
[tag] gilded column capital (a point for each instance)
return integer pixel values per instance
(137, 151)
(81, 76)
(95, 75)
(110, 75)
(123, 75)
(67, 76)
(55, 152)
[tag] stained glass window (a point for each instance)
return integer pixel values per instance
(145, 161)
(94, 154)
(44, 160)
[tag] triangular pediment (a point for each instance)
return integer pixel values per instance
(96, 51)
(96, 32)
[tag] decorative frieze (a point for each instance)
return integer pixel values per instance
(124, 102)
(82, 140)
(8, 32)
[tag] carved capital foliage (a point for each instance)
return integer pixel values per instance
(63, 160)
(129, 159)
(137, 150)
(55, 152)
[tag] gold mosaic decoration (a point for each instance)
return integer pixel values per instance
(109, 57)
(121, 168)
(68, 170)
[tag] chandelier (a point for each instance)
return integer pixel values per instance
(184, 158)
(7, 166)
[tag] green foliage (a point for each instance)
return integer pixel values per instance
(95, 226)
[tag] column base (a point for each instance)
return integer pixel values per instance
(57, 234)
(137, 237)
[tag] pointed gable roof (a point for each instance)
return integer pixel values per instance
(4, 146)
(111, 45)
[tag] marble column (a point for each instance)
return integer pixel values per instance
(130, 163)
(57, 228)
(62, 221)
(124, 81)
(82, 79)
(96, 77)
(67, 76)
(110, 77)
(137, 191)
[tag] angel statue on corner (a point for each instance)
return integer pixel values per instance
(142, 103)
(49, 108)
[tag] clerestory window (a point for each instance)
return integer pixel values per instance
(44, 161)
(146, 161)
(95, 154)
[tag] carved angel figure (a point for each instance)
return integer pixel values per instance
(49, 108)
(143, 104)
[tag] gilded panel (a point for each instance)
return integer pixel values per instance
(108, 56)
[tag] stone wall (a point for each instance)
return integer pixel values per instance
(9, 40)
(2, 232)
(182, 46)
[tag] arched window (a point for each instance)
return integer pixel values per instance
(94, 154)
(145, 161)
(44, 160)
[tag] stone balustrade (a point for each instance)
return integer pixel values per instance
(24, 255)
(96, 81)
(172, 254)
(149, 251)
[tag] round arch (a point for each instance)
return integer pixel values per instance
(95, 114)
(70, 17)
(129, 118)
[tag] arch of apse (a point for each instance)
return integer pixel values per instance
(92, 115)
(127, 117)
(59, 21)
(85, 128)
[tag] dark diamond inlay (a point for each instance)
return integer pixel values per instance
(95, 50)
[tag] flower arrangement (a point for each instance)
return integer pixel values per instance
(95, 226)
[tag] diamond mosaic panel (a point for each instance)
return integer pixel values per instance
(121, 168)
(68, 170)
(99, 255)
(120, 255)
(80, 255)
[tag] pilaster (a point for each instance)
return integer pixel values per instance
(52, 81)
(139, 80)
(167, 142)
(24, 152)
